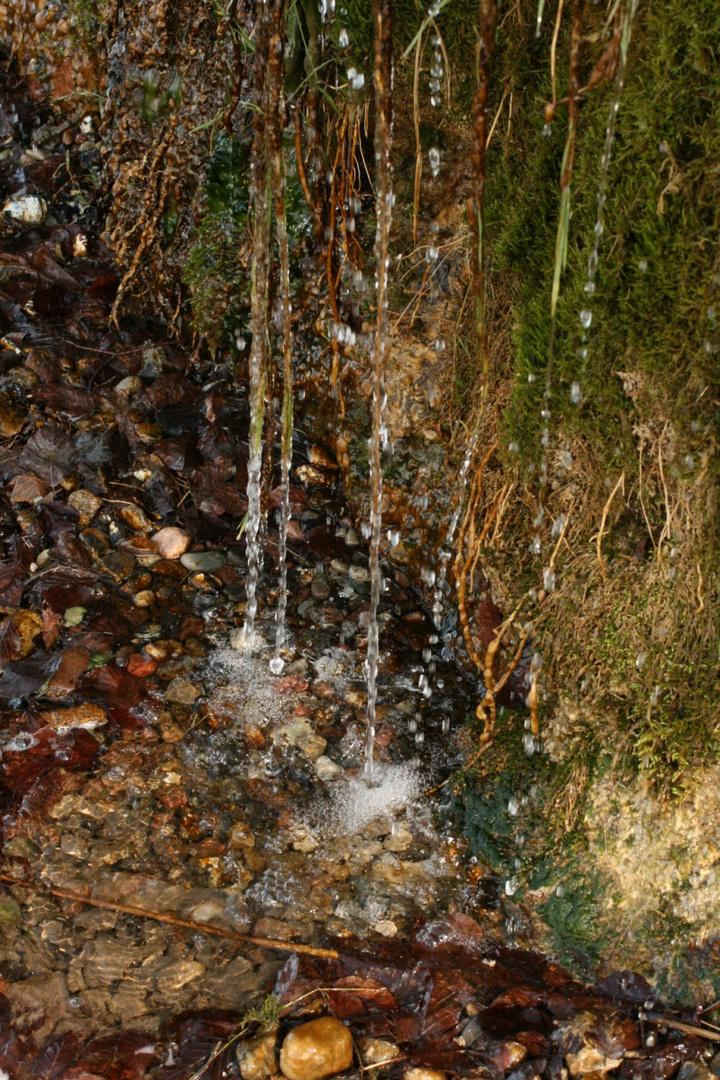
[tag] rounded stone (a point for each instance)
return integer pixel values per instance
(171, 542)
(424, 1074)
(317, 1049)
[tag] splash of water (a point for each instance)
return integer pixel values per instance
(382, 10)
(352, 808)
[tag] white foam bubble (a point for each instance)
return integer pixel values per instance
(353, 805)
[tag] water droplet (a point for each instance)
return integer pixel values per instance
(513, 807)
(576, 393)
(640, 661)
(343, 39)
(642, 266)
(511, 886)
(585, 318)
(531, 377)
(277, 664)
(566, 459)
(513, 447)
(690, 461)
(590, 287)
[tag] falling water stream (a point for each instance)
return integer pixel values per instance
(279, 192)
(260, 279)
(378, 438)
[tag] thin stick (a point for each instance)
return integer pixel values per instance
(173, 920)
(606, 511)
(553, 51)
(642, 503)
(680, 1025)
(418, 147)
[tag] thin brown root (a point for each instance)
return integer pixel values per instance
(173, 920)
(606, 511)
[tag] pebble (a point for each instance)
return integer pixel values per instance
(182, 692)
(327, 769)
(241, 835)
(351, 538)
(205, 561)
(171, 542)
(26, 209)
(317, 1049)
(86, 504)
(359, 574)
(694, 1070)
(135, 517)
(376, 1051)
(399, 840)
(312, 746)
(145, 598)
(423, 1074)
(257, 1058)
(320, 588)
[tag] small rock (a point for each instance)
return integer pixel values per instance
(312, 746)
(26, 209)
(320, 588)
(327, 769)
(377, 1051)
(27, 625)
(204, 561)
(258, 1058)
(145, 598)
(400, 839)
(135, 517)
(385, 927)
(182, 692)
(86, 504)
(241, 835)
(10, 914)
(78, 716)
(171, 542)
(351, 538)
(695, 1070)
(320, 455)
(317, 1049)
(130, 385)
(179, 974)
(423, 1074)
(304, 840)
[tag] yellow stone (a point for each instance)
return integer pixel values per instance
(317, 1049)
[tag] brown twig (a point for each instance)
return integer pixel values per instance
(173, 920)
(680, 1025)
(606, 511)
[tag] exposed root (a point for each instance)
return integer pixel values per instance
(606, 510)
